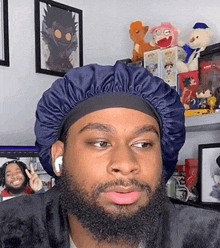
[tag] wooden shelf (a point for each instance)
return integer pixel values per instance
(206, 122)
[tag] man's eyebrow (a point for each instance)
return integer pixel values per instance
(98, 127)
(146, 129)
(11, 170)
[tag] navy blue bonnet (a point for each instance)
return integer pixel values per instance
(93, 81)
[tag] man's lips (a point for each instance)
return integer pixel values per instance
(123, 195)
(123, 198)
(16, 183)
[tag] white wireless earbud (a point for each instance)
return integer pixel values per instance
(58, 163)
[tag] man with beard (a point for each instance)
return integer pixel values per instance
(110, 135)
(17, 180)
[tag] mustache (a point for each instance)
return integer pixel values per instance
(102, 187)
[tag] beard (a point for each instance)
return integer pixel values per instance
(16, 191)
(114, 228)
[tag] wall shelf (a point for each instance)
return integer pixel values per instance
(206, 122)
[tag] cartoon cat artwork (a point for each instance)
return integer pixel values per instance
(59, 34)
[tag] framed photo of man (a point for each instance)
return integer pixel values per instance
(58, 37)
(4, 39)
(209, 174)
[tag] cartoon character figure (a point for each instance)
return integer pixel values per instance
(211, 102)
(187, 93)
(199, 38)
(152, 68)
(169, 67)
(170, 77)
(137, 33)
(59, 33)
(165, 35)
(203, 92)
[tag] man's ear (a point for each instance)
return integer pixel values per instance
(57, 151)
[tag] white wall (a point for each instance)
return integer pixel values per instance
(106, 39)
(190, 148)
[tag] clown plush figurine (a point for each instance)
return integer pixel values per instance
(199, 38)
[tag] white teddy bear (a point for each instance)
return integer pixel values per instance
(199, 38)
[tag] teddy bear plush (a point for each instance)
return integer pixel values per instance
(199, 38)
(137, 33)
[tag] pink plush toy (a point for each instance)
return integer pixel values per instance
(166, 35)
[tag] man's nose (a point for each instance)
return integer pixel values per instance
(123, 161)
(13, 176)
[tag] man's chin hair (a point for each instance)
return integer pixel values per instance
(16, 191)
(106, 227)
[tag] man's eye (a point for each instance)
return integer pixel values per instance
(142, 145)
(101, 144)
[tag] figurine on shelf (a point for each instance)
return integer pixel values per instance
(203, 92)
(165, 35)
(211, 102)
(169, 76)
(187, 93)
(137, 33)
(152, 68)
(199, 38)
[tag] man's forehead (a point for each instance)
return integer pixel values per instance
(112, 119)
(105, 103)
(106, 128)
(12, 166)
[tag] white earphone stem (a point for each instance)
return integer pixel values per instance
(58, 163)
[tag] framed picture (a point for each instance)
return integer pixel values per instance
(4, 40)
(58, 37)
(209, 174)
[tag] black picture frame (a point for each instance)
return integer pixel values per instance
(209, 173)
(57, 53)
(4, 39)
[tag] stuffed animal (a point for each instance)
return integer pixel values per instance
(165, 35)
(199, 38)
(137, 33)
